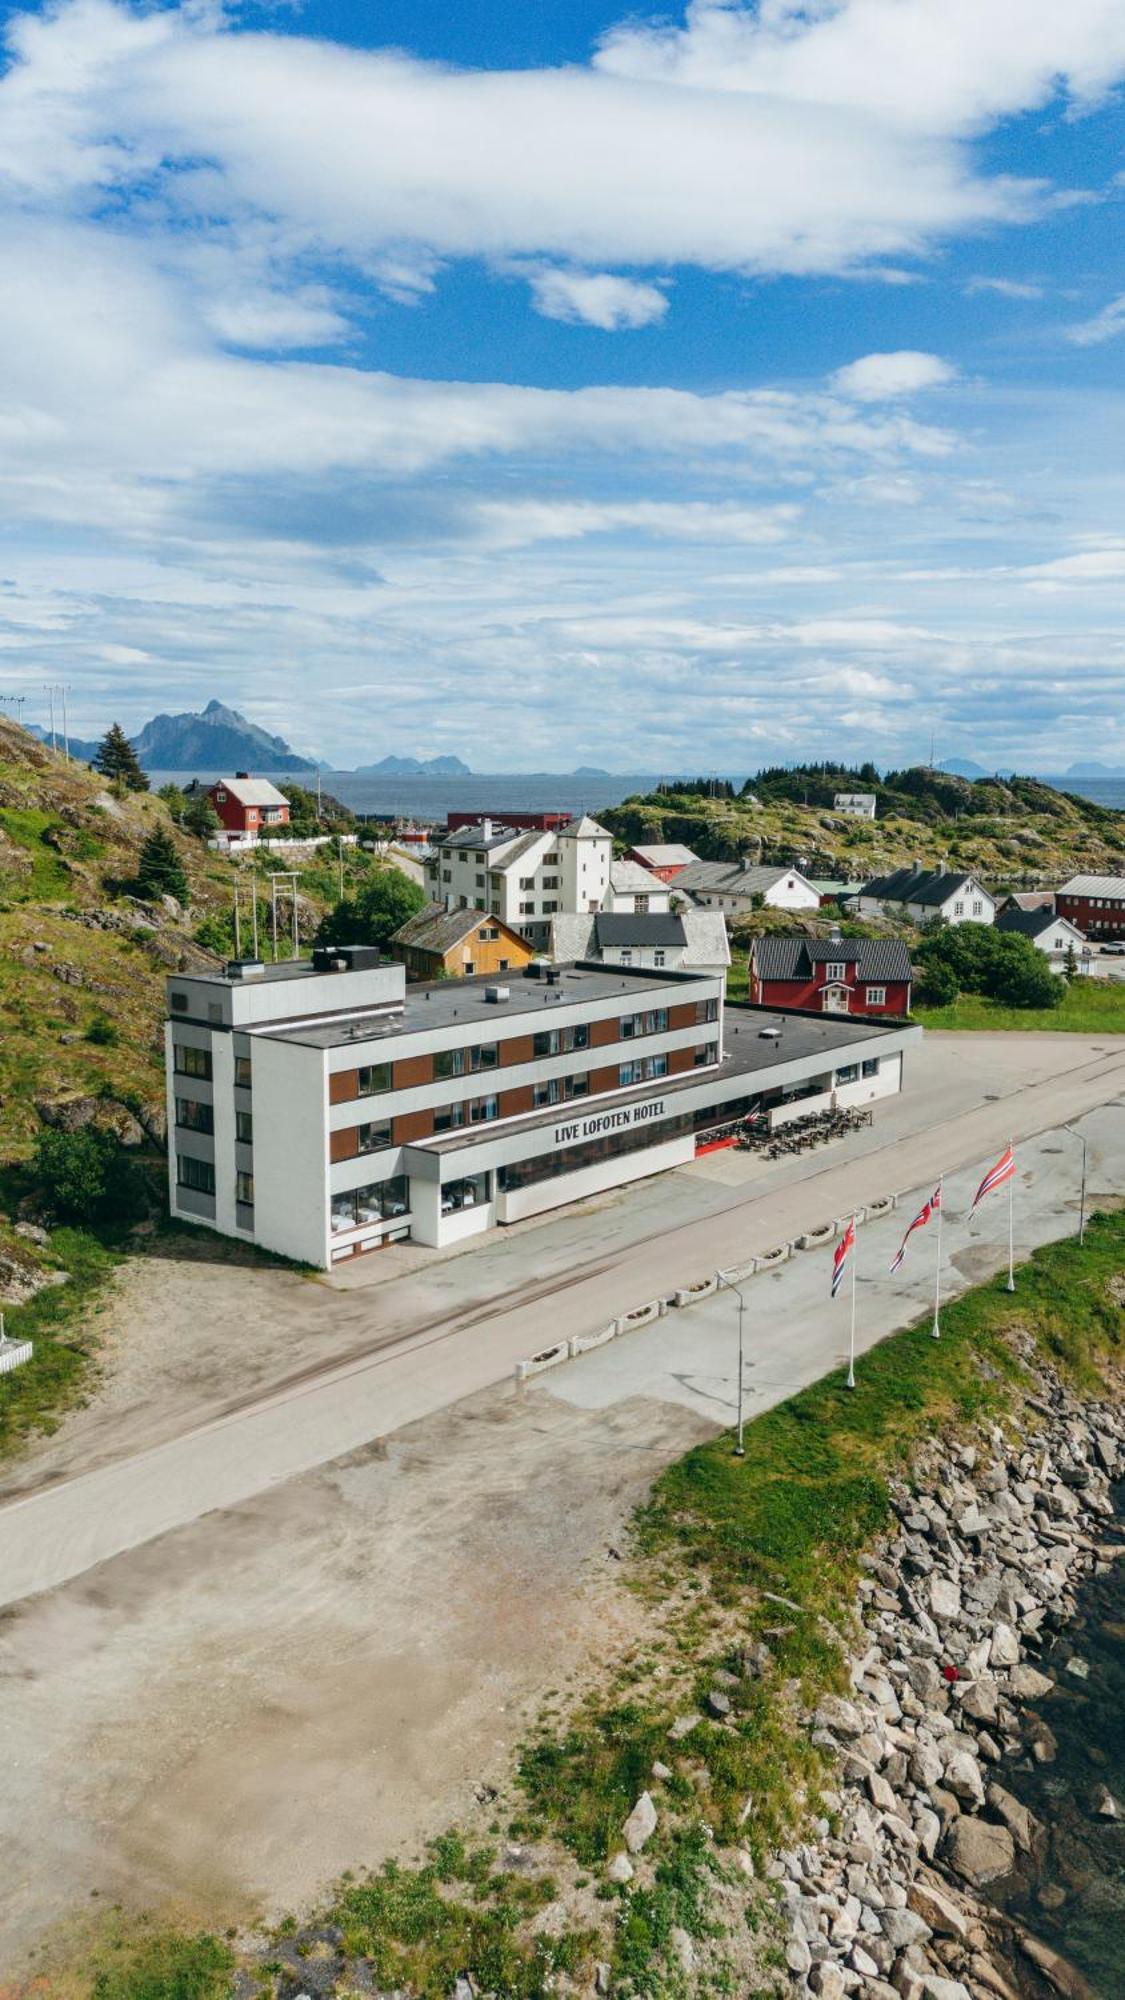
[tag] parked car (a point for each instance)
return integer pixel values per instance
(1116, 950)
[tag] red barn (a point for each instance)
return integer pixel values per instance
(831, 975)
(249, 805)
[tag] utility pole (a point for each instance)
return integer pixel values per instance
(739, 1446)
(64, 691)
(50, 693)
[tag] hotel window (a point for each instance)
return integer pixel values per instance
(449, 1117)
(193, 1173)
(193, 1116)
(653, 1022)
(577, 1037)
(242, 1075)
(463, 1062)
(576, 1086)
(706, 1052)
(244, 1189)
(193, 1062)
(547, 1042)
(876, 996)
(707, 1010)
(372, 1078)
(548, 1092)
(482, 1109)
(379, 1201)
(470, 1192)
(643, 1070)
(871, 1066)
(373, 1137)
(244, 1127)
(848, 1074)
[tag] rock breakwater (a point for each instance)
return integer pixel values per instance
(959, 1607)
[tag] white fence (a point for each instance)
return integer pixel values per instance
(13, 1354)
(242, 843)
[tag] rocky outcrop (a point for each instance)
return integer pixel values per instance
(992, 1541)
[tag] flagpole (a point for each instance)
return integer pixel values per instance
(1011, 1226)
(936, 1328)
(851, 1345)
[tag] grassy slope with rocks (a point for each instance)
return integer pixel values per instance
(1015, 833)
(748, 1568)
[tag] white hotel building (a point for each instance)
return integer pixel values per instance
(323, 1108)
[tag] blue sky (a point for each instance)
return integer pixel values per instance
(563, 384)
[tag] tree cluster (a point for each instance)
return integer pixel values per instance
(975, 958)
(375, 912)
(117, 760)
(696, 788)
(160, 872)
(84, 1176)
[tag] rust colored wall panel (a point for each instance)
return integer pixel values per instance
(518, 1050)
(414, 1125)
(680, 1061)
(602, 1080)
(343, 1085)
(514, 1103)
(343, 1145)
(603, 1033)
(682, 1016)
(412, 1070)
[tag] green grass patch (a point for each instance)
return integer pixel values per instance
(420, 1928)
(57, 1321)
(1089, 1007)
(738, 976)
(161, 1965)
(48, 878)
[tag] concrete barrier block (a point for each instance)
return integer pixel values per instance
(769, 1258)
(640, 1315)
(736, 1272)
(815, 1239)
(583, 1343)
(550, 1357)
(881, 1207)
(690, 1295)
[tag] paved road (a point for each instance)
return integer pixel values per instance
(426, 1342)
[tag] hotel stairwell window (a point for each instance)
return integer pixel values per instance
(244, 1127)
(196, 1174)
(193, 1062)
(193, 1116)
(243, 1076)
(244, 1189)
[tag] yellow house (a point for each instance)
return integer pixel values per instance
(453, 944)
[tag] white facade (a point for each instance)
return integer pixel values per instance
(716, 885)
(634, 892)
(968, 903)
(855, 805)
(522, 877)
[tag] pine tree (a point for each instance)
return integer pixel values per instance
(160, 871)
(117, 760)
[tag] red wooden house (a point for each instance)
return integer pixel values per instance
(249, 805)
(831, 975)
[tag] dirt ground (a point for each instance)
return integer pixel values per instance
(319, 1677)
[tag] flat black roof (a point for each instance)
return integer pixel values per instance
(444, 1002)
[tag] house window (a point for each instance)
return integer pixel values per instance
(958, 909)
(193, 1173)
(470, 968)
(658, 956)
(848, 1074)
(978, 908)
(242, 1073)
(373, 1137)
(549, 909)
(626, 955)
(480, 881)
(193, 1116)
(244, 1127)
(244, 1189)
(179, 1003)
(193, 1062)
(550, 881)
(373, 1078)
(462, 854)
(527, 881)
(640, 905)
(871, 1066)
(835, 971)
(447, 874)
(527, 909)
(876, 996)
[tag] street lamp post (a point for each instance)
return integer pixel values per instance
(739, 1447)
(1081, 1138)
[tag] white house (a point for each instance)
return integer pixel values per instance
(733, 888)
(1056, 936)
(682, 941)
(634, 892)
(518, 876)
(922, 894)
(855, 805)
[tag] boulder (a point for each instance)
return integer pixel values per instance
(1005, 1648)
(1103, 1803)
(640, 1825)
(978, 1851)
(937, 1908)
(945, 1598)
(1015, 1816)
(962, 1775)
(620, 1869)
(1028, 1684)
(842, 1717)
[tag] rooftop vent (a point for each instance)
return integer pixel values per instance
(553, 975)
(497, 994)
(769, 1034)
(245, 968)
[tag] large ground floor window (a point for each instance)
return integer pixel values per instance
(468, 1193)
(610, 1146)
(376, 1202)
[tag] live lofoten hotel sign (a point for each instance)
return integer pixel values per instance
(600, 1122)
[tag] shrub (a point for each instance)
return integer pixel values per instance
(84, 1177)
(375, 913)
(103, 1032)
(160, 872)
(117, 760)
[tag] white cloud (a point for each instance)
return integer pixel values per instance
(271, 321)
(516, 524)
(1006, 288)
(878, 378)
(843, 131)
(597, 298)
(1105, 325)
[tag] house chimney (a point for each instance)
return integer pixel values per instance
(242, 774)
(486, 829)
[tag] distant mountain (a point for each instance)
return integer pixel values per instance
(1093, 770)
(218, 739)
(81, 750)
(414, 767)
(589, 771)
(963, 767)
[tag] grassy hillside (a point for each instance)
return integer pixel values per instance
(1015, 832)
(83, 957)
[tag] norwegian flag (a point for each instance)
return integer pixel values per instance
(925, 1214)
(1004, 1170)
(844, 1250)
